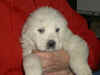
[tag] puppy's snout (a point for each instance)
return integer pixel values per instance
(51, 44)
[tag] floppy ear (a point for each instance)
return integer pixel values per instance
(67, 34)
(26, 40)
(74, 44)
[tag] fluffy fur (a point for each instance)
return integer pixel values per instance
(46, 24)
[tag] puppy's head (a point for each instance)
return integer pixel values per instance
(47, 28)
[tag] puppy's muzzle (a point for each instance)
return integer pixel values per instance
(51, 44)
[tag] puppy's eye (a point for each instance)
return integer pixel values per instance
(41, 30)
(58, 29)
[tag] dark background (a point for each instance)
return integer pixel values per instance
(92, 20)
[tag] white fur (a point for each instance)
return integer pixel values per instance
(50, 19)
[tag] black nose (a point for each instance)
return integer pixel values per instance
(51, 44)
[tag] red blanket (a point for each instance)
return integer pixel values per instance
(13, 14)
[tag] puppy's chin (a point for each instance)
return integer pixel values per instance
(46, 49)
(41, 49)
(50, 50)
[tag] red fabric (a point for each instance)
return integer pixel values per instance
(12, 17)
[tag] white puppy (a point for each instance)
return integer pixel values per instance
(47, 30)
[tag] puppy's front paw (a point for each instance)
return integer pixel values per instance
(32, 65)
(34, 72)
(85, 72)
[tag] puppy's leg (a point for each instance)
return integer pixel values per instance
(32, 65)
(78, 51)
(79, 66)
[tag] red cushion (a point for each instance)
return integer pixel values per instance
(12, 17)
